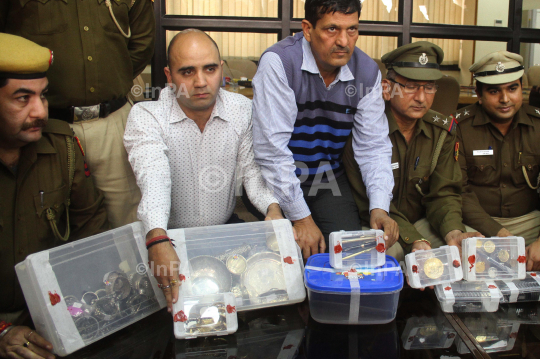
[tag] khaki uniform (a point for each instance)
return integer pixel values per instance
(24, 228)
(495, 185)
(440, 202)
(93, 63)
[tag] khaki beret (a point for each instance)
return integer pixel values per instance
(23, 59)
(417, 61)
(498, 68)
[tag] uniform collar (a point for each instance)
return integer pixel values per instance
(310, 65)
(219, 111)
(393, 126)
(520, 117)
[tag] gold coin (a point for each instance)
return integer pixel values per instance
(489, 246)
(492, 272)
(480, 267)
(433, 268)
(428, 330)
(478, 244)
(503, 255)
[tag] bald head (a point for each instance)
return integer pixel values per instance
(187, 38)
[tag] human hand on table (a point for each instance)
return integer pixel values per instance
(503, 232)
(165, 266)
(23, 342)
(533, 256)
(420, 245)
(273, 213)
(379, 219)
(309, 237)
(455, 237)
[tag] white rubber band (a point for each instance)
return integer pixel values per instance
(354, 307)
(514, 291)
(336, 270)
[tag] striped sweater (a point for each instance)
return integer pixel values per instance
(325, 116)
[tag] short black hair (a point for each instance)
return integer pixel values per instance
(316, 9)
(3, 81)
(173, 40)
(480, 86)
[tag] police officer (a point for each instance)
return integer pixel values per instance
(100, 46)
(426, 200)
(48, 195)
(500, 152)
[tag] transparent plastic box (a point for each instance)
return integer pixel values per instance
(353, 295)
(261, 334)
(202, 316)
(366, 248)
(490, 332)
(520, 312)
(324, 341)
(521, 290)
(84, 290)
(468, 297)
(495, 258)
(259, 262)
(427, 333)
(432, 267)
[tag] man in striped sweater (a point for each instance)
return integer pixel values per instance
(310, 92)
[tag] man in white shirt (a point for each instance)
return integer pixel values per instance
(186, 150)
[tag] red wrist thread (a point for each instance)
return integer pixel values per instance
(156, 239)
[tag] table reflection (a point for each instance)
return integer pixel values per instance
(420, 330)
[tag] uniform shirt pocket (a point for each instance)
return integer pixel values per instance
(482, 171)
(44, 17)
(420, 177)
(529, 162)
(121, 13)
(55, 200)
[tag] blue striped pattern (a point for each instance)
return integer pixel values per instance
(320, 139)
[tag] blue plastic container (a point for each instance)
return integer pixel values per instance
(352, 295)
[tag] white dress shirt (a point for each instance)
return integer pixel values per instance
(187, 177)
(274, 115)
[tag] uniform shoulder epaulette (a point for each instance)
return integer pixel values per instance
(531, 110)
(466, 112)
(438, 119)
(58, 127)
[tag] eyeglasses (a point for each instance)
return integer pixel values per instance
(413, 87)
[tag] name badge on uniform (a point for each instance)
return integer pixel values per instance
(395, 166)
(482, 153)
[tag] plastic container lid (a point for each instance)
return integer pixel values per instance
(379, 280)
(463, 291)
(529, 285)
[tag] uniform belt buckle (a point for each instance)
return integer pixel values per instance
(85, 113)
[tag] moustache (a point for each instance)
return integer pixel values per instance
(42, 122)
(341, 49)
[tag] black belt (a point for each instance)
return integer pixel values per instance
(86, 113)
(505, 71)
(430, 65)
